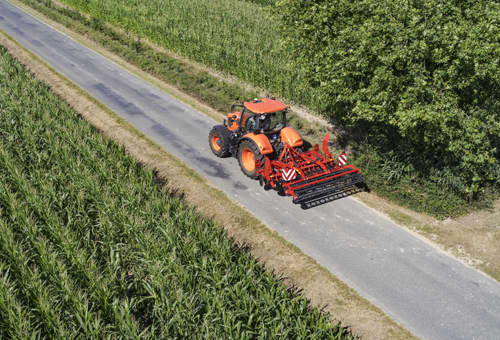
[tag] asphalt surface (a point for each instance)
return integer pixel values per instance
(431, 294)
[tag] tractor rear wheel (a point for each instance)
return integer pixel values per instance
(218, 139)
(248, 153)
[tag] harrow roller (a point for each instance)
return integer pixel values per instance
(331, 185)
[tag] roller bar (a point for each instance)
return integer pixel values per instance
(326, 187)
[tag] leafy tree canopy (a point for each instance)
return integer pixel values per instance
(423, 75)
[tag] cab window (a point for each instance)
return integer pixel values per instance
(272, 122)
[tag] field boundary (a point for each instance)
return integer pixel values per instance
(320, 286)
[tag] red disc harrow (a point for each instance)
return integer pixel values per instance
(309, 177)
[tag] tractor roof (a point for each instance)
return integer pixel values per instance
(264, 105)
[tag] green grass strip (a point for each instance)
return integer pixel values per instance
(210, 90)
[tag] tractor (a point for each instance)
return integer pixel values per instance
(256, 133)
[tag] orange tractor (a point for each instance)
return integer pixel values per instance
(256, 133)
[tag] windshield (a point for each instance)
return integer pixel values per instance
(272, 122)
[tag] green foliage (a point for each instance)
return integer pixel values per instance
(92, 247)
(418, 78)
(395, 178)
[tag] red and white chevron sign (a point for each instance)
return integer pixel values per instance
(342, 159)
(288, 174)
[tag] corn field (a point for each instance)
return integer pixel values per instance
(91, 246)
(239, 38)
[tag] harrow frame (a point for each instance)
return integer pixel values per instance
(309, 176)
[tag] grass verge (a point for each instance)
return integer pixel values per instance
(280, 256)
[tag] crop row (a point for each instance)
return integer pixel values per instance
(90, 245)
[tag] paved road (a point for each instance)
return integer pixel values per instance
(430, 293)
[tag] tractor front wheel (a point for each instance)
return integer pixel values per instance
(248, 153)
(218, 139)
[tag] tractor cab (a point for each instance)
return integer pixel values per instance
(258, 116)
(268, 123)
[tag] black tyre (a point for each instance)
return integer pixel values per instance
(218, 139)
(248, 153)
